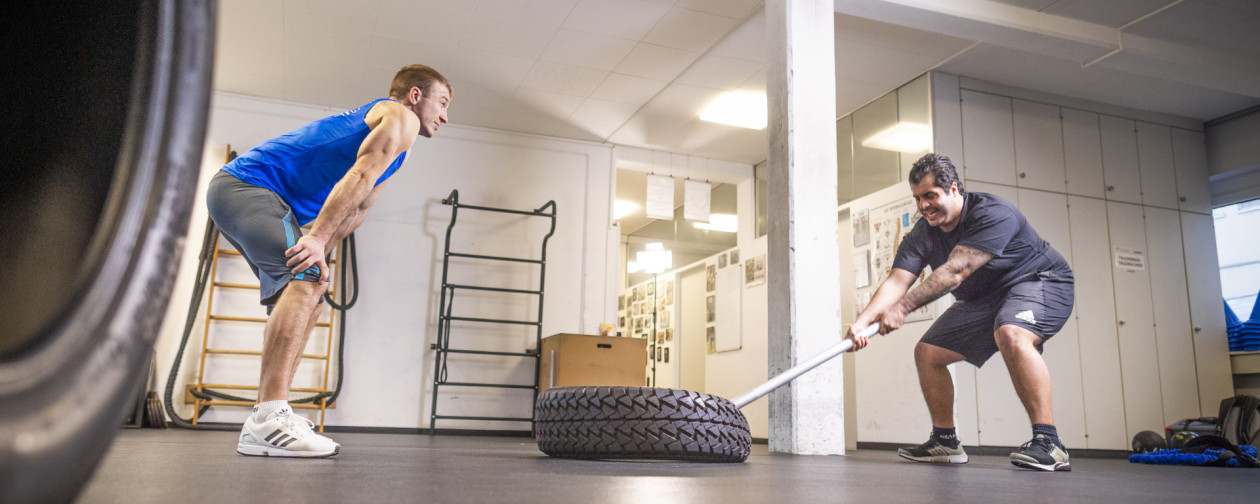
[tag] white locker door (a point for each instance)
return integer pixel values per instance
(1048, 214)
(1174, 335)
(1211, 347)
(1007, 193)
(1155, 156)
(1139, 359)
(1000, 419)
(1038, 146)
(1096, 324)
(1082, 153)
(1120, 159)
(1190, 160)
(988, 146)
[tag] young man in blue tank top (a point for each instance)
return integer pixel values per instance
(1013, 292)
(328, 173)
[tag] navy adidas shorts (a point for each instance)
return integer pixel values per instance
(1041, 305)
(261, 226)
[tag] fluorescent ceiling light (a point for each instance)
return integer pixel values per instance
(725, 223)
(902, 137)
(737, 108)
(623, 208)
(654, 259)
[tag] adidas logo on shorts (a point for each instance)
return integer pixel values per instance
(1026, 316)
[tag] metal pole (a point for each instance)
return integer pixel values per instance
(802, 368)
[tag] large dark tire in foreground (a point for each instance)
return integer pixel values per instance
(640, 423)
(104, 120)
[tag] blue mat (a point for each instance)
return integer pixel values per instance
(1176, 457)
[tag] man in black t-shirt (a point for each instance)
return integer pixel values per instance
(1013, 292)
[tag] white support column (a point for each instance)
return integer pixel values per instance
(803, 277)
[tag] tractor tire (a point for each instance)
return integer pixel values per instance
(640, 423)
(105, 120)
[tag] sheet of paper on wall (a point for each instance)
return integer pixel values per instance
(660, 197)
(1129, 259)
(696, 200)
(862, 269)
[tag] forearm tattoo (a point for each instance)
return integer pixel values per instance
(961, 263)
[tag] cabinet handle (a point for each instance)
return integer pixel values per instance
(1023, 175)
(1121, 322)
(1111, 188)
(1183, 199)
(1198, 329)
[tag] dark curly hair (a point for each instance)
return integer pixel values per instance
(941, 169)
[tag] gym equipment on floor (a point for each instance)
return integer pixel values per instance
(656, 423)
(446, 306)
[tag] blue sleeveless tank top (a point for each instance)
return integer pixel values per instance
(302, 166)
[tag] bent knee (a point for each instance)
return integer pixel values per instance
(932, 355)
(1009, 337)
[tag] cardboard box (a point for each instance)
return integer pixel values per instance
(579, 359)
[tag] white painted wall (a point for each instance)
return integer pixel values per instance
(388, 363)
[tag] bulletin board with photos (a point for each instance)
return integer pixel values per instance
(877, 234)
(646, 311)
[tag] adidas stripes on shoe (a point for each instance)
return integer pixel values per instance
(284, 434)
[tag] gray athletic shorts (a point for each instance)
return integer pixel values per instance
(261, 226)
(1041, 305)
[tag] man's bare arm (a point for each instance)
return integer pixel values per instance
(394, 130)
(962, 262)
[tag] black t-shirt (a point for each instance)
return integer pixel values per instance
(989, 224)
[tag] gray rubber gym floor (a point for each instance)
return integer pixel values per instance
(187, 466)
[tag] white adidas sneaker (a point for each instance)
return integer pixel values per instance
(284, 434)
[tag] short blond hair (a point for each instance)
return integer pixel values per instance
(419, 76)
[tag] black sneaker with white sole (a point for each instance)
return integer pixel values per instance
(1042, 454)
(934, 452)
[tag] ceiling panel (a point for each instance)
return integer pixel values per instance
(627, 19)
(1113, 13)
(636, 72)
(1241, 37)
(603, 113)
(529, 12)
(563, 79)
(1043, 73)
(488, 68)
(901, 38)
(737, 9)
(1189, 21)
(747, 42)
(720, 72)
(588, 50)
(627, 89)
(655, 62)
(506, 37)
(436, 27)
(689, 30)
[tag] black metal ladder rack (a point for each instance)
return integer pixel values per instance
(447, 300)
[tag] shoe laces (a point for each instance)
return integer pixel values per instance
(299, 426)
(1040, 441)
